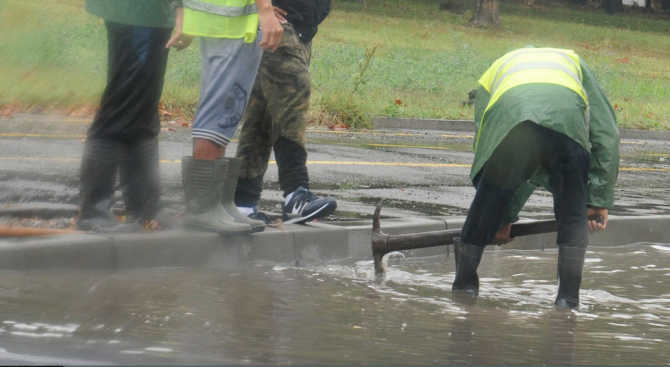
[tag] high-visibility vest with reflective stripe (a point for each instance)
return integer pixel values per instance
(221, 18)
(533, 65)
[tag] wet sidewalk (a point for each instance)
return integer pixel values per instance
(423, 174)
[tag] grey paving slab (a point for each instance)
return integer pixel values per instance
(451, 222)
(318, 242)
(649, 228)
(179, 248)
(424, 124)
(11, 255)
(618, 233)
(79, 251)
(273, 245)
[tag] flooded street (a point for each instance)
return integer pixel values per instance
(336, 313)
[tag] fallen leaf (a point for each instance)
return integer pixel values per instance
(623, 60)
(398, 102)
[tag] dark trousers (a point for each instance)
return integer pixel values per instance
(125, 129)
(137, 60)
(276, 119)
(525, 149)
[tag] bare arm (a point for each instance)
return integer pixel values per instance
(272, 30)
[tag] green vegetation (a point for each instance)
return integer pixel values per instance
(53, 53)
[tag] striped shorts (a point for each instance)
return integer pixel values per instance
(229, 68)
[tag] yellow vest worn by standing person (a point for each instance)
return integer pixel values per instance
(533, 65)
(221, 19)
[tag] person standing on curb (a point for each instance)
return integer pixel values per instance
(541, 120)
(277, 119)
(124, 132)
(230, 55)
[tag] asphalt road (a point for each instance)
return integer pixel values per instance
(418, 172)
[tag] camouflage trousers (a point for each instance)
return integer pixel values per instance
(276, 118)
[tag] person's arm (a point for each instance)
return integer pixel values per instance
(512, 213)
(272, 30)
(179, 40)
(604, 138)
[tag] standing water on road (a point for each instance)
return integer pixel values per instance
(337, 314)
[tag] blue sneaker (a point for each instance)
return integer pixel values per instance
(302, 206)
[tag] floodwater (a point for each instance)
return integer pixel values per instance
(337, 314)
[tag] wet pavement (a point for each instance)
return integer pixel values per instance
(336, 313)
(420, 172)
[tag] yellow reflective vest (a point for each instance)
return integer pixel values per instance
(533, 65)
(221, 19)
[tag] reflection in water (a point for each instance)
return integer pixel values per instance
(337, 314)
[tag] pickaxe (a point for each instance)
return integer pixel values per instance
(383, 243)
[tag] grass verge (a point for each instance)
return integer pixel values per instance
(53, 54)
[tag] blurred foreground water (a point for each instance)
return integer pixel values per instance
(337, 314)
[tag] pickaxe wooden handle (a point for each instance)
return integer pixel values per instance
(383, 243)
(18, 231)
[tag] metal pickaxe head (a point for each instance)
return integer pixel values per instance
(379, 242)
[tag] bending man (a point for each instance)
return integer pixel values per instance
(124, 133)
(542, 120)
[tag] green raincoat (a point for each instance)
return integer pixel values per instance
(562, 110)
(142, 13)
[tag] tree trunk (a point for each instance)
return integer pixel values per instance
(613, 6)
(486, 14)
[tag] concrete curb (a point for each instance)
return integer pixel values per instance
(292, 244)
(468, 126)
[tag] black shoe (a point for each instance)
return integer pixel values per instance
(305, 206)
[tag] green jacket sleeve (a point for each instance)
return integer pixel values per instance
(482, 99)
(177, 4)
(604, 138)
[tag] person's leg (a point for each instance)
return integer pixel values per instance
(139, 169)
(254, 148)
(569, 166)
(229, 70)
(512, 164)
(118, 112)
(287, 85)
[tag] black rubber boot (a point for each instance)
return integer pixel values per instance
(203, 182)
(232, 167)
(97, 177)
(468, 258)
(140, 180)
(570, 266)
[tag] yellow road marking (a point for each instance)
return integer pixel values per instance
(644, 169)
(404, 146)
(66, 136)
(17, 135)
(329, 163)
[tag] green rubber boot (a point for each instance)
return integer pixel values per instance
(204, 185)
(570, 266)
(468, 258)
(232, 168)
